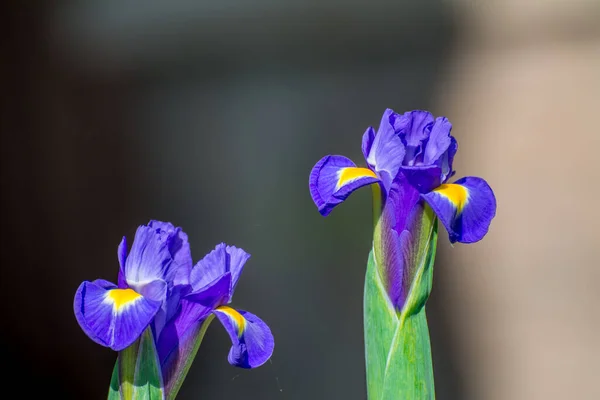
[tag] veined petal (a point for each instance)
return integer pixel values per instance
(252, 341)
(332, 180)
(149, 257)
(221, 260)
(111, 316)
(387, 150)
(237, 259)
(439, 140)
(466, 208)
(415, 127)
(176, 275)
(177, 243)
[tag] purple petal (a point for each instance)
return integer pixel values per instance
(149, 258)
(332, 180)
(396, 240)
(193, 308)
(424, 178)
(387, 150)
(155, 290)
(252, 341)
(237, 259)
(446, 160)
(466, 208)
(210, 268)
(221, 260)
(122, 255)
(110, 316)
(179, 248)
(367, 141)
(414, 127)
(396, 264)
(215, 293)
(439, 141)
(402, 199)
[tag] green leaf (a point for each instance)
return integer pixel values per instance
(126, 363)
(137, 374)
(148, 383)
(113, 390)
(397, 347)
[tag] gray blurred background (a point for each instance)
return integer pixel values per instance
(210, 114)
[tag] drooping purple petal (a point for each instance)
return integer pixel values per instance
(332, 180)
(110, 316)
(252, 341)
(193, 308)
(466, 208)
(387, 150)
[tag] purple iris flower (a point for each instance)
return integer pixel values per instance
(410, 158)
(159, 288)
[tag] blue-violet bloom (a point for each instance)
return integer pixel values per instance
(410, 161)
(158, 288)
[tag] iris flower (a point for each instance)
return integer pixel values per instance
(159, 289)
(409, 162)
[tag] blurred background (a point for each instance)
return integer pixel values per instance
(210, 114)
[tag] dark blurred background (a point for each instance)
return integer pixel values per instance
(210, 114)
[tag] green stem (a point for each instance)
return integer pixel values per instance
(126, 363)
(397, 345)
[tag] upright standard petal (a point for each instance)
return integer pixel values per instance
(122, 255)
(439, 141)
(236, 259)
(413, 128)
(179, 248)
(367, 141)
(221, 260)
(149, 257)
(466, 208)
(111, 316)
(386, 151)
(332, 180)
(252, 341)
(176, 274)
